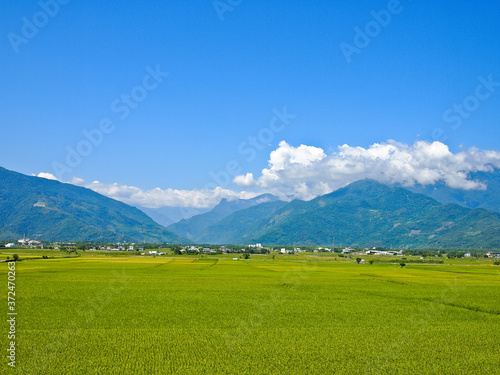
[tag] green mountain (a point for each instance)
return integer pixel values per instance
(54, 211)
(243, 226)
(365, 213)
(195, 227)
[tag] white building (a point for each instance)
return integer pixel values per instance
(257, 246)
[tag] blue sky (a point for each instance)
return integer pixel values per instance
(232, 65)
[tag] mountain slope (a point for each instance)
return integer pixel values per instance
(55, 211)
(192, 228)
(166, 216)
(366, 213)
(242, 226)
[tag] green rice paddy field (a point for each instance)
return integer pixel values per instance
(215, 315)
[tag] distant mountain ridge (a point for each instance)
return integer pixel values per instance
(367, 213)
(55, 211)
(242, 226)
(194, 227)
(166, 215)
(364, 213)
(488, 199)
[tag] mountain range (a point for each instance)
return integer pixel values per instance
(55, 211)
(196, 227)
(365, 213)
(168, 215)
(488, 198)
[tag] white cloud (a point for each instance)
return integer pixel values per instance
(286, 156)
(155, 198)
(77, 181)
(48, 176)
(305, 172)
(245, 180)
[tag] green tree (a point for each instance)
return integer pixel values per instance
(16, 257)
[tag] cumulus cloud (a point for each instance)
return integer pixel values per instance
(48, 176)
(77, 181)
(245, 180)
(155, 198)
(305, 172)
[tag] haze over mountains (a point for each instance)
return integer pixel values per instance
(365, 213)
(166, 216)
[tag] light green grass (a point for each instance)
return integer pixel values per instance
(292, 315)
